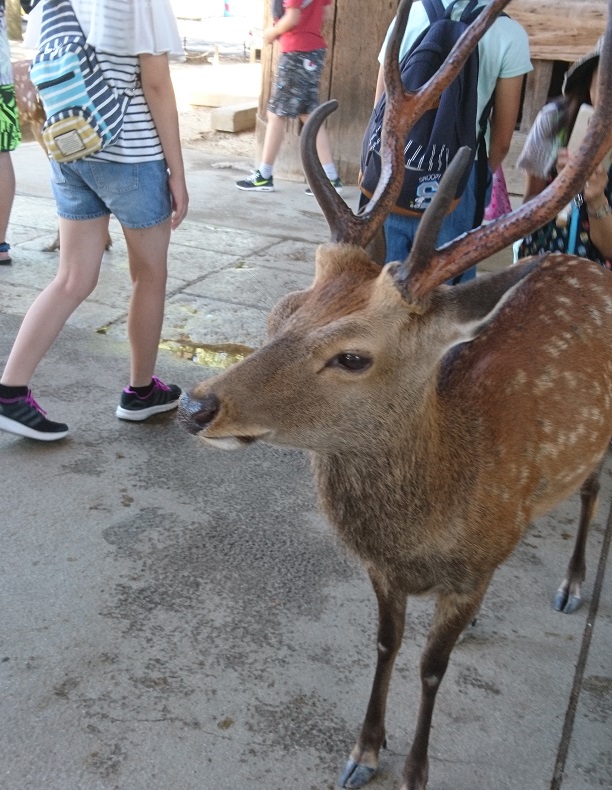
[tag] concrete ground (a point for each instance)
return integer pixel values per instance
(178, 617)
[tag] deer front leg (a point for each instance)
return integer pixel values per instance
(452, 614)
(363, 762)
(568, 595)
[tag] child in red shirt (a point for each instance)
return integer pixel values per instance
(295, 93)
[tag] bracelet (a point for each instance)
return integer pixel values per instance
(601, 212)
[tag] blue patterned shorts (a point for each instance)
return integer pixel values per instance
(295, 90)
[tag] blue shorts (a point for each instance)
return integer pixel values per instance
(136, 193)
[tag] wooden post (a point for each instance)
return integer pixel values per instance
(536, 92)
(354, 37)
(13, 20)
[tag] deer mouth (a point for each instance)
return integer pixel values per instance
(229, 442)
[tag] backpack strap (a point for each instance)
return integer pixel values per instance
(470, 12)
(435, 9)
(58, 20)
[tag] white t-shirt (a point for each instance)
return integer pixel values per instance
(503, 51)
(6, 71)
(125, 29)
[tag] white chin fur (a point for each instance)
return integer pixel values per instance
(227, 443)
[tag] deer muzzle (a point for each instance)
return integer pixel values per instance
(197, 414)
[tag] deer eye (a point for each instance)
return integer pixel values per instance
(354, 363)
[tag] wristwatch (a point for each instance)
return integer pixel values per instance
(601, 212)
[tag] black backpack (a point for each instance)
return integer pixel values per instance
(437, 136)
(277, 7)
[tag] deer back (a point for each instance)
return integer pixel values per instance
(29, 107)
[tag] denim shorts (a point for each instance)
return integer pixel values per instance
(136, 193)
(295, 90)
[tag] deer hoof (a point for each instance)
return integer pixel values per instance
(565, 602)
(355, 775)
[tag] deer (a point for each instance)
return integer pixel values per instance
(31, 117)
(440, 420)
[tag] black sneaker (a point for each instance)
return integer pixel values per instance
(5, 247)
(256, 183)
(23, 416)
(336, 183)
(161, 397)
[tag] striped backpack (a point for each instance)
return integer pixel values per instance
(84, 112)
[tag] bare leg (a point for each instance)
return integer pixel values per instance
(7, 193)
(148, 256)
(363, 761)
(568, 595)
(275, 132)
(80, 258)
(452, 614)
(323, 145)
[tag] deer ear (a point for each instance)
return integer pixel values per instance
(481, 298)
(469, 308)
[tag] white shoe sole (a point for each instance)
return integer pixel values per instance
(12, 426)
(143, 414)
(257, 189)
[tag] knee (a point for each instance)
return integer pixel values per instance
(75, 289)
(146, 273)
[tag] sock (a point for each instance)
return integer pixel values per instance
(265, 170)
(330, 171)
(142, 392)
(12, 392)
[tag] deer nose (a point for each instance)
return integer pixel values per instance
(195, 414)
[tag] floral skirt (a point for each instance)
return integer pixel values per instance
(554, 238)
(10, 134)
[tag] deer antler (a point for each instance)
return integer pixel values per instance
(428, 268)
(403, 109)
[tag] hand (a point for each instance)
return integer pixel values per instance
(593, 191)
(269, 35)
(562, 158)
(180, 199)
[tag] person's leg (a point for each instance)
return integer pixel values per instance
(81, 254)
(7, 193)
(308, 81)
(461, 220)
(148, 258)
(399, 236)
(148, 253)
(323, 145)
(273, 139)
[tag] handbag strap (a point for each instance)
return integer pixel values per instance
(573, 230)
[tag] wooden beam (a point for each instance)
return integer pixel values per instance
(564, 30)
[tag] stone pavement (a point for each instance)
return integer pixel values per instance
(178, 617)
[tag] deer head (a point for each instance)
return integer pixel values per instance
(340, 340)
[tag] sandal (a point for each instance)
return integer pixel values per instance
(4, 247)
